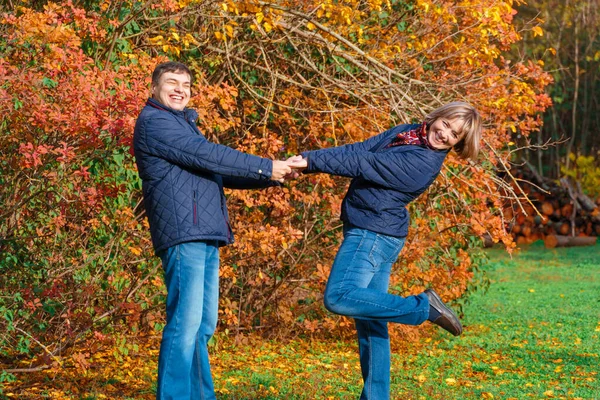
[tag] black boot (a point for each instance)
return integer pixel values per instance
(442, 315)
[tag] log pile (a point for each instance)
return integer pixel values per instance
(567, 217)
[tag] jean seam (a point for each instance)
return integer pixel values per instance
(176, 316)
(370, 390)
(196, 352)
(362, 239)
(346, 297)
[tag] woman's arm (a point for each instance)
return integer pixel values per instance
(406, 170)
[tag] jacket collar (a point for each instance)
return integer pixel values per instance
(188, 114)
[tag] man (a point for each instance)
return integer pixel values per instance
(183, 176)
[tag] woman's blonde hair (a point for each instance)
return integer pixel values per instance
(469, 146)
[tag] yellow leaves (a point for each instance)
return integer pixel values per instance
(537, 31)
(558, 369)
(171, 43)
(188, 40)
(424, 5)
(260, 17)
(135, 250)
(167, 48)
(450, 381)
(227, 32)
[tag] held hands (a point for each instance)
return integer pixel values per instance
(288, 169)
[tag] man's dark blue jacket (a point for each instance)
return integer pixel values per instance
(183, 176)
(385, 180)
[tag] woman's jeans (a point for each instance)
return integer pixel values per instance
(192, 279)
(357, 288)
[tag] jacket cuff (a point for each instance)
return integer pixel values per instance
(264, 169)
(309, 161)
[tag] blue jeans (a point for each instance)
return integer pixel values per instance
(192, 280)
(357, 288)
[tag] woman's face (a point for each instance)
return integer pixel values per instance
(445, 133)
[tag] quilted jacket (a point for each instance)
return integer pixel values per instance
(385, 179)
(183, 176)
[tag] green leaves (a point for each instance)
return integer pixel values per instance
(49, 83)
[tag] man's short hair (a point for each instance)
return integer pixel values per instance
(169, 66)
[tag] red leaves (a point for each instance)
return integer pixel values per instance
(32, 155)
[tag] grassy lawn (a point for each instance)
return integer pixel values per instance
(533, 334)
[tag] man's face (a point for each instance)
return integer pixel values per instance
(173, 90)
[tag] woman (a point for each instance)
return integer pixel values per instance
(389, 170)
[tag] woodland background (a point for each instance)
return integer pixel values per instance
(273, 79)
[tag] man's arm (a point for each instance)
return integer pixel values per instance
(163, 138)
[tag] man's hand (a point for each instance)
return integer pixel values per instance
(280, 170)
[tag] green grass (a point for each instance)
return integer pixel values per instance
(533, 334)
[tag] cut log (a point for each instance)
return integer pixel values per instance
(547, 208)
(562, 210)
(564, 228)
(552, 241)
(567, 210)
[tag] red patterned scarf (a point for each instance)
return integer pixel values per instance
(417, 136)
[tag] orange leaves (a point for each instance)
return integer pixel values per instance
(215, 104)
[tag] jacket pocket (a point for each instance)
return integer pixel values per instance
(195, 209)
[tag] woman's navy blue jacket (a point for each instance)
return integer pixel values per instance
(183, 176)
(385, 180)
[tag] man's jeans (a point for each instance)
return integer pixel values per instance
(357, 288)
(192, 280)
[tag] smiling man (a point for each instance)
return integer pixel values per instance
(172, 89)
(183, 175)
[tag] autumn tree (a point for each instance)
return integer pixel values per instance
(273, 79)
